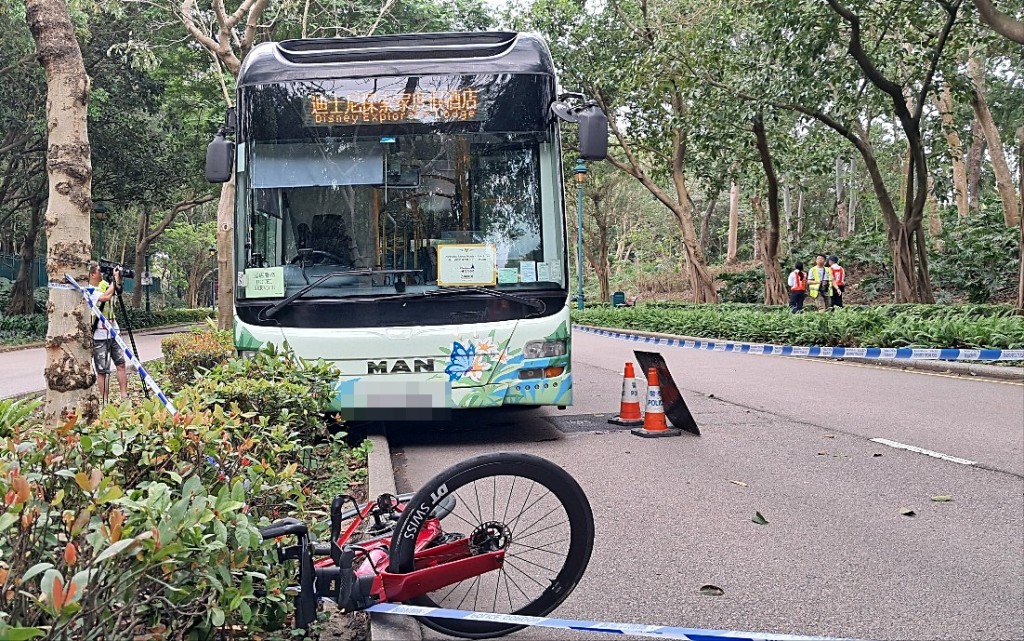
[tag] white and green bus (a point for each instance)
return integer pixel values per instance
(400, 214)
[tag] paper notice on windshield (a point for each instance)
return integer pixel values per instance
(544, 272)
(528, 271)
(466, 265)
(264, 282)
(508, 275)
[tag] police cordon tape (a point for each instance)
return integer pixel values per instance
(146, 378)
(635, 629)
(898, 353)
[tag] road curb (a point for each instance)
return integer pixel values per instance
(136, 332)
(1014, 374)
(381, 480)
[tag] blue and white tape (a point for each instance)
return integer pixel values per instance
(634, 629)
(899, 353)
(146, 378)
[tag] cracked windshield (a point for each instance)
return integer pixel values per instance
(384, 186)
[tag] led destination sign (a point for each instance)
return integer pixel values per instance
(392, 108)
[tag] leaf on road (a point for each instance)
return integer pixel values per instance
(759, 519)
(823, 453)
(711, 590)
(942, 498)
(830, 436)
(906, 511)
(740, 483)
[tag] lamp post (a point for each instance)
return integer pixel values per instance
(581, 174)
(99, 211)
(213, 277)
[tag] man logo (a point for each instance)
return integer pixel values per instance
(400, 366)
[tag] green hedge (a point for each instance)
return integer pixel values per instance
(32, 327)
(931, 326)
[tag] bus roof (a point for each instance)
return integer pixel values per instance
(486, 52)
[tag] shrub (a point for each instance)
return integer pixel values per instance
(197, 351)
(981, 260)
(935, 326)
(272, 385)
(144, 525)
(147, 516)
(742, 287)
(22, 328)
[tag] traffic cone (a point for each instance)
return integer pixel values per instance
(655, 424)
(629, 408)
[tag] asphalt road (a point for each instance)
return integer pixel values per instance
(21, 370)
(836, 558)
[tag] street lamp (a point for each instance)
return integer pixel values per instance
(99, 212)
(581, 174)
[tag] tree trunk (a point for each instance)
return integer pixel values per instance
(225, 258)
(934, 219)
(842, 213)
(774, 289)
(69, 375)
(1004, 180)
(1020, 246)
(756, 245)
(956, 151)
(787, 208)
(141, 247)
(23, 300)
(974, 154)
(851, 227)
(734, 223)
(799, 215)
(705, 224)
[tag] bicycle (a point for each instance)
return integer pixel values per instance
(410, 558)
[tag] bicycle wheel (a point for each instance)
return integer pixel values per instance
(523, 504)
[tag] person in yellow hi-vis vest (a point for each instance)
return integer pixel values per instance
(819, 283)
(104, 348)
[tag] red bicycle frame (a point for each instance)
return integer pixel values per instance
(435, 566)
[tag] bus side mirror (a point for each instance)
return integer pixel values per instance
(220, 159)
(593, 133)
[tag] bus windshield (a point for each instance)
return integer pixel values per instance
(400, 184)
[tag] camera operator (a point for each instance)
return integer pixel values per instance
(105, 348)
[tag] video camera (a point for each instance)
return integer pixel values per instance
(108, 267)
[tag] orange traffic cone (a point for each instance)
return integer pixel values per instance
(629, 408)
(654, 421)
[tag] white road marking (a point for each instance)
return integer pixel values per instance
(920, 450)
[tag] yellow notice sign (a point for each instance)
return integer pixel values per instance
(466, 265)
(264, 282)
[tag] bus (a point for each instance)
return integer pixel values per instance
(400, 214)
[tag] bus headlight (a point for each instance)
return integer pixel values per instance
(544, 349)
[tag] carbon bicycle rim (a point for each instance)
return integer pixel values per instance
(523, 504)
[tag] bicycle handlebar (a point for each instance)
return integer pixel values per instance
(284, 527)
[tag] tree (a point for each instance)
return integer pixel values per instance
(69, 376)
(228, 47)
(1004, 179)
(820, 84)
(774, 288)
(23, 186)
(1001, 23)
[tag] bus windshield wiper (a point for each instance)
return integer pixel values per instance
(535, 303)
(269, 312)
